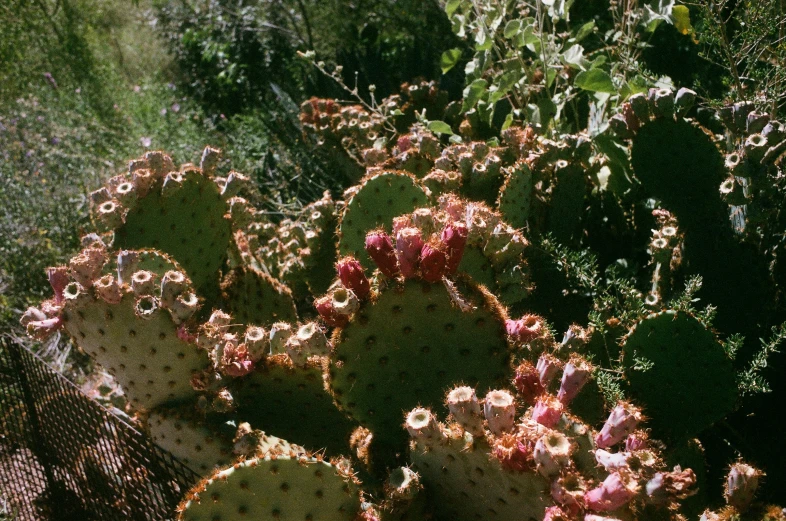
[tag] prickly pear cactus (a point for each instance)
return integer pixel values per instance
(679, 372)
(253, 297)
(282, 481)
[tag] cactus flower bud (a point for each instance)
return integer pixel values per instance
(666, 487)
(279, 334)
(741, 485)
(454, 237)
(433, 263)
(577, 372)
(107, 289)
(58, 279)
(324, 306)
(548, 367)
(636, 441)
(380, 248)
(524, 330)
(615, 491)
(511, 452)
(422, 426)
(465, 408)
(552, 453)
(499, 408)
(184, 306)
(353, 277)
(408, 245)
(257, 343)
(621, 422)
(86, 267)
(172, 285)
(528, 383)
(143, 282)
(547, 411)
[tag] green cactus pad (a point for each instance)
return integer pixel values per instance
(185, 221)
(409, 345)
(679, 164)
(283, 484)
(468, 484)
(515, 196)
(292, 401)
(380, 198)
(253, 297)
(689, 382)
(145, 355)
(567, 203)
(190, 439)
(475, 264)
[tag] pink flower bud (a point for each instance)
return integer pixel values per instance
(547, 411)
(511, 452)
(548, 367)
(524, 330)
(408, 246)
(636, 441)
(528, 383)
(621, 422)
(58, 279)
(380, 248)
(577, 372)
(741, 485)
(615, 491)
(352, 276)
(433, 263)
(454, 237)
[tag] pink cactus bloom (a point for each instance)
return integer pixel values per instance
(324, 306)
(524, 330)
(621, 422)
(547, 411)
(380, 248)
(615, 491)
(58, 279)
(433, 263)
(352, 276)
(408, 245)
(577, 373)
(454, 237)
(528, 383)
(43, 329)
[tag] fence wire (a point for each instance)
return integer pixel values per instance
(63, 456)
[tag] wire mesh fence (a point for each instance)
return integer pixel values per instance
(63, 456)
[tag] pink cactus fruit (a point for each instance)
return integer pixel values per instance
(380, 248)
(664, 488)
(511, 452)
(547, 410)
(527, 382)
(465, 408)
(58, 279)
(741, 485)
(621, 422)
(636, 441)
(408, 245)
(526, 329)
(454, 237)
(433, 263)
(352, 276)
(555, 513)
(576, 374)
(324, 306)
(552, 453)
(568, 492)
(548, 367)
(615, 491)
(235, 360)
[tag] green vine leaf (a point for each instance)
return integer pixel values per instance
(595, 80)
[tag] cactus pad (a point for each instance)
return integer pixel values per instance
(515, 196)
(254, 297)
(380, 198)
(283, 483)
(408, 345)
(679, 372)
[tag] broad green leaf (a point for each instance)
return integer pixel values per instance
(449, 59)
(508, 121)
(512, 28)
(585, 30)
(595, 80)
(473, 92)
(439, 127)
(680, 14)
(451, 7)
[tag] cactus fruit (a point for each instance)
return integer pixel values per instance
(662, 355)
(381, 197)
(543, 465)
(281, 481)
